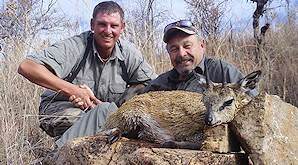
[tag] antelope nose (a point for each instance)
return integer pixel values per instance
(209, 120)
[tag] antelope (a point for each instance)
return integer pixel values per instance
(177, 119)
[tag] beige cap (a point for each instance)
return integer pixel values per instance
(183, 25)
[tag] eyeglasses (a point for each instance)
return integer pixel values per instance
(181, 23)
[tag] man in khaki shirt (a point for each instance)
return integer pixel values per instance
(86, 75)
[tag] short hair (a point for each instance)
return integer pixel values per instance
(108, 7)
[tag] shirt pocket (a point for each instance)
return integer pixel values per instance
(115, 91)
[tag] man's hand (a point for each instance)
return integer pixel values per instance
(80, 96)
(84, 98)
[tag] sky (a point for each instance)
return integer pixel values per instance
(239, 11)
(82, 10)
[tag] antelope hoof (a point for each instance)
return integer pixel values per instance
(112, 135)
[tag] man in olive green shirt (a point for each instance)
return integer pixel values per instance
(86, 75)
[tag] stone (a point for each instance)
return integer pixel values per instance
(96, 150)
(267, 129)
(217, 139)
(163, 156)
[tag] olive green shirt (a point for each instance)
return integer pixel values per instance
(107, 80)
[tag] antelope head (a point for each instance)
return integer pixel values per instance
(223, 101)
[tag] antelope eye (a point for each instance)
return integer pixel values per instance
(228, 103)
(221, 108)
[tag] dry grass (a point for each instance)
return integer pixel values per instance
(21, 139)
(278, 62)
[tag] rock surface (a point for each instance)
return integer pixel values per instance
(96, 150)
(217, 139)
(162, 156)
(268, 130)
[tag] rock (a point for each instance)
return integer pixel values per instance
(96, 150)
(267, 129)
(163, 156)
(217, 139)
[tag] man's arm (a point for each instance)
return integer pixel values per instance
(41, 75)
(139, 72)
(137, 67)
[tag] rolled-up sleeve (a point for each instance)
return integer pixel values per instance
(139, 69)
(60, 57)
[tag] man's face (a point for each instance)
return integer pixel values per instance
(107, 29)
(186, 52)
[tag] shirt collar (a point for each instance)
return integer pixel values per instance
(174, 75)
(116, 53)
(201, 67)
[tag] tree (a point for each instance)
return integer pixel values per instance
(259, 36)
(208, 16)
(22, 20)
(143, 26)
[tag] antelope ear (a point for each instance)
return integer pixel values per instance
(250, 81)
(210, 85)
(246, 100)
(233, 85)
